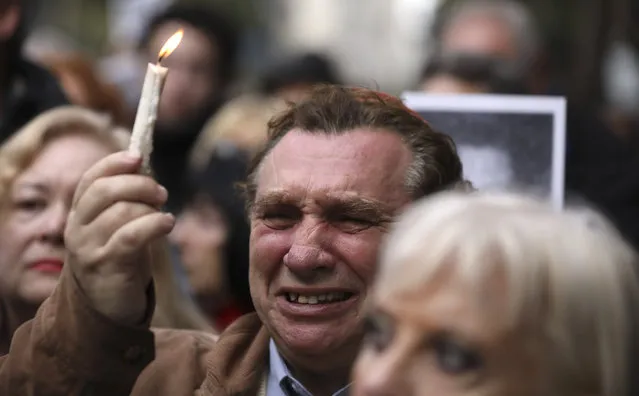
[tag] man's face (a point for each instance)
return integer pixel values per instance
(322, 205)
(480, 35)
(192, 81)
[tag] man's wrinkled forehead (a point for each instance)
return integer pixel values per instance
(356, 157)
(360, 161)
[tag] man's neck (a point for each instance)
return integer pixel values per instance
(322, 384)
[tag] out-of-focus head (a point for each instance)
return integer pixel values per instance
(241, 122)
(503, 29)
(84, 87)
(469, 74)
(294, 78)
(212, 232)
(498, 294)
(40, 167)
(201, 68)
(10, 17)
(336, 169)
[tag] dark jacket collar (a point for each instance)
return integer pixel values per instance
(239, 359)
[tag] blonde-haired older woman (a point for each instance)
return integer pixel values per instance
(40, 167)
(482, 294)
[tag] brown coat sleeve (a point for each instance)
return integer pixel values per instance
(70, 349)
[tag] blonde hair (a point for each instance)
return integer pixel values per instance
(174, 308)
(242, 121)
(21, 149)
(569, 273)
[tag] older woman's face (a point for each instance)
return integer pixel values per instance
(33, 220)
(444, 340)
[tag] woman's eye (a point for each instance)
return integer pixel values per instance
(30, 205)
(454, 358)
(377, 335)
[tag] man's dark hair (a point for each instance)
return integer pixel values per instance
(335, 110)
(216, 26)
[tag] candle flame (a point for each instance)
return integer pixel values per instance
(170, 45)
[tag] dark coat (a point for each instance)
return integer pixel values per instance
(31, 91)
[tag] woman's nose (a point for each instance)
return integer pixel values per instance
(54, 223)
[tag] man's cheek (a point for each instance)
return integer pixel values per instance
(271, 242)
(360, 252)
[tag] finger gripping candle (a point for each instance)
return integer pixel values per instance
(142, 135)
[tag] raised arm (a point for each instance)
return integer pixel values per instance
(92, 335)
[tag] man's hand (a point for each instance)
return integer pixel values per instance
(113, 219)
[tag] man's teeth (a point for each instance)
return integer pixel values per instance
(318, 298)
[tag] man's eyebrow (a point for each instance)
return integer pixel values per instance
(277, 197)
(332, 204)
(357, 206)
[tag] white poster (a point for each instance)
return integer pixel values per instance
(504, 141)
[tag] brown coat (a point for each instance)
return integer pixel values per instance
(69, 349)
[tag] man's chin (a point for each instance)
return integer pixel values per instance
(317, 339)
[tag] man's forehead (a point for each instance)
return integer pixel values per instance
(358, 162)
(377, 146)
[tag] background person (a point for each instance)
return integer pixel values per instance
(202, 70)
(241, 122)
(212, 236)
(84, 86)
(40, 168)
(26, 89)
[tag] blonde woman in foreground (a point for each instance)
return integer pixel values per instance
(40, 168)
(498, 295)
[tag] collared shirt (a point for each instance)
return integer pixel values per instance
(280, 381)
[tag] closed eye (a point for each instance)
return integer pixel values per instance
(352, 224)
(279, 217)
(30, 205)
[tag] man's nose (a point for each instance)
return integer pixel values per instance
(307, 258)
(54, 222)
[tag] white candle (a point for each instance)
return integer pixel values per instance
(142, 136)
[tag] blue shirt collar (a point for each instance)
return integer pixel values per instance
(280, 380)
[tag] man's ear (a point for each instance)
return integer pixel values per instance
(9, 21)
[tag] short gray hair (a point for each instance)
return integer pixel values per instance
(569, 272)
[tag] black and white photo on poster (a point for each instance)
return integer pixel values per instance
(504, 141)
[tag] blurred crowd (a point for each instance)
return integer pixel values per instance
(59, 115)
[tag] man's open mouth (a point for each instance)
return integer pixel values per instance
(313, 299)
